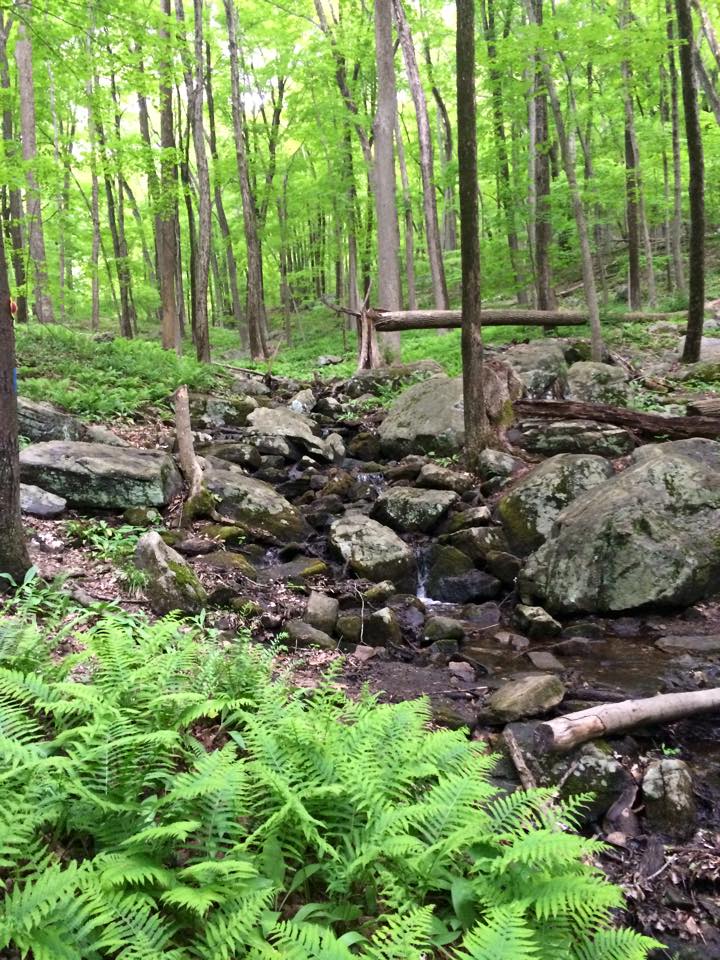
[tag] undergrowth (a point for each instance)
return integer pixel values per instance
(165, 796)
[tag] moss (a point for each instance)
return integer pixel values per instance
(201, 505)
(224, 533)
(186, 579)
(317, 569)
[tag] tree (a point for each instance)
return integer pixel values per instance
(167, 213)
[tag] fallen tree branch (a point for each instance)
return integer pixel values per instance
(650, 424)
(388, 320)
(526, 778)
(565, 732)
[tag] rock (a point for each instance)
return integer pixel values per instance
(329, 407)
(98, 475)
(40, 503)
(410, 509)
(97, 433)
(573, 436)
(461, 669)
(407, 469)
(171, 584)
(650, 535)
(363, 653)
(436, 477)
(223, 560)
(698, 449)
(392, 377)
(485, 616)
(303, 401)
(669, 799)
(477, 542)
(301, 634)
(528, 697)
(195, 546)
(529, 511)
(535, 622)
(322, 612)
(251, 386)
(284, 424)
(454, 579)
(382, 628)
(443, 628)
(298, 569)
(364, 446)
(242, 454)
(541, 366)
(141, 516)
(225, 533)
(209, 412)
(334, 448)
(39, 422)
(373, 550)
(328, 361)
(474, 517)
(504, 566)
(595, 771)
(545, 661)
(379, 592)
(262, 511)
(350, 627)
(598, 383)
(495, 463)
(701, 644)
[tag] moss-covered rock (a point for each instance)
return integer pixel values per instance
(411, 509)
(598, 383)
(209, 412)
(171, 583)
(372, 550)
(541, 366)
(529, 697)
(258, 507)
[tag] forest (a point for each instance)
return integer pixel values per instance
(360, 480)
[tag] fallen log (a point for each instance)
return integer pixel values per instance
(648, 424)
(708, 406)
(388, 320)
(563, 733)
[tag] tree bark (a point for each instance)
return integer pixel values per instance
(12, 211)
(34, 223)
(452, 319)
(408, 217)
(449, 224)
(696, 186)
(14, 558)
(540, 150)
(202, 259)
(676, 220)
(167, 202)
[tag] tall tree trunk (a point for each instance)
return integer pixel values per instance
(540, 150)
(427, 172)
(696, 186)
(34, 224)
(255, 303)
(202, 259)
(408, 216)
(351, 218)
(388, 233)
(449, 219)
(476, 422)
(676, 220)
(167, 200)
(12, 212)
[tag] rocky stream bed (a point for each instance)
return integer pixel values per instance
(580, 566)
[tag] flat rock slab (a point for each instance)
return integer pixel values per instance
(100, 475)
(40, 503)
(698, 644)
(573, 436)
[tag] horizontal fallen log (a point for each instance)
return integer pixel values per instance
(705, 407)
(387, 320)
(648, 424)
(564, 733)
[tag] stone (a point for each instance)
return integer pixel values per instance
(391, 377)
(251, 386)
(141, 516)
(669, 798)
(410, 509)
(242, 454)
(284, 424)
(99, 475)
(39, 503)
(474, 517)
(545, 660)
(595, 771)
(437, 477)
(382, 628)
(379, 592)
(303, 401)
(334, 448)
(461, 669)
(171, 584)
(39, 422)
(529, 511)
(349, 627)
(495, 463)
(485, 616)
(298, 569)
(598, 383)
(698, 449)
(225, 533)
(700, 644)
(477, 542)
(504, 566)
(649, 535)
(443, 628)
(530, 696)
(364, 446)
(208, 412)
(363, 653)
(537, 623)
(329, 407)
(573, 436)
(322, 611)
(372, 550)
(224, 561)
(328, 361)
(195, 546)
(541, 366)
(261, 510)
(454, 579)
(301, 634)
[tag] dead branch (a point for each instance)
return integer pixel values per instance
(199, 499)
(649, 424)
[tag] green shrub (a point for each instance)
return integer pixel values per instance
(163, 797)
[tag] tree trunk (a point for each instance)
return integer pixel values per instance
(476, 421)
(202, 259)
(540, 148)
(167, 244)
(452, 319)
(14, 559)
(13, 210)
(255, 303)
(427, 173)
(409, 226)
(696, 186)
(449, 224)
(34, 224)
(388, 234)
(676, 221)
(632, 187)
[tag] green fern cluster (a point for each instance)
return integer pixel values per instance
(164, 796)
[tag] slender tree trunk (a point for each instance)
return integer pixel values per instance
(202, 259)
(427, 172)
(696, 186)
(476, 422)
(255, 304)
(13, 212)
(34, 223)
(167, 244)
(540, 149)
(59, 198)
(676, 221)
(449, 220)
(709, 31)
(408, 216)
(388, 234)
(351, 218)
(94, 202)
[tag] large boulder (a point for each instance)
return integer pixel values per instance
(410, 509)
(372, 550)
(209, 412)
(541, 366)
(292, 427)
(258, 507)
(391, 377)
(40, 422)
(100, 475)
(650, 535)
(530, 509)
(171, 584)
(697, 449)
(598, 383)
(573, 436)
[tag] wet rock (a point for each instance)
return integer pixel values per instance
(545, 660)
(573, 436)
(40, 503)
(323, 510)
(477, 542)
(529, 697)
(537, 623)
(529, 511)
(322, 611)
(443, 648)
(443, 628)
(141, 516)
(224, 561)
(410, 509)
(651, 534)
(484, 616)
(171, 584)
(669, 799)
(349, 627)
(372, 550)
(598, 383)
(290, 427)
(391, 377)
(242, 454)
(474, 517)
(461, 669)
(98, 475)
(541, 366)
(209, 412)
(364, 446)
(436, 477)
(303, 401)
(262, 511)
(382, 629)
(495, 463)
(462, 587)
(594, 770)
(700, 644)
(379, 592)
(504, 566)
(301, 634)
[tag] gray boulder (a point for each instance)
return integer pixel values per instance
(292, 427)
(372, 550)
(242, 454)
(209, 412)
(99, 475)
(322, 611)
(527, 697)
(436, 477)
(391, 377)
(302, 634)
(171, 584)
(650, 535)
(574, 436)
(410, 509)
(669, 798)
(496, 463)
(40, 503)
(261, 510)
(303, 401)
(530, 509)
(598, 383)
(40, 422)
(698, 449)
(535, 622)
(541, 366)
